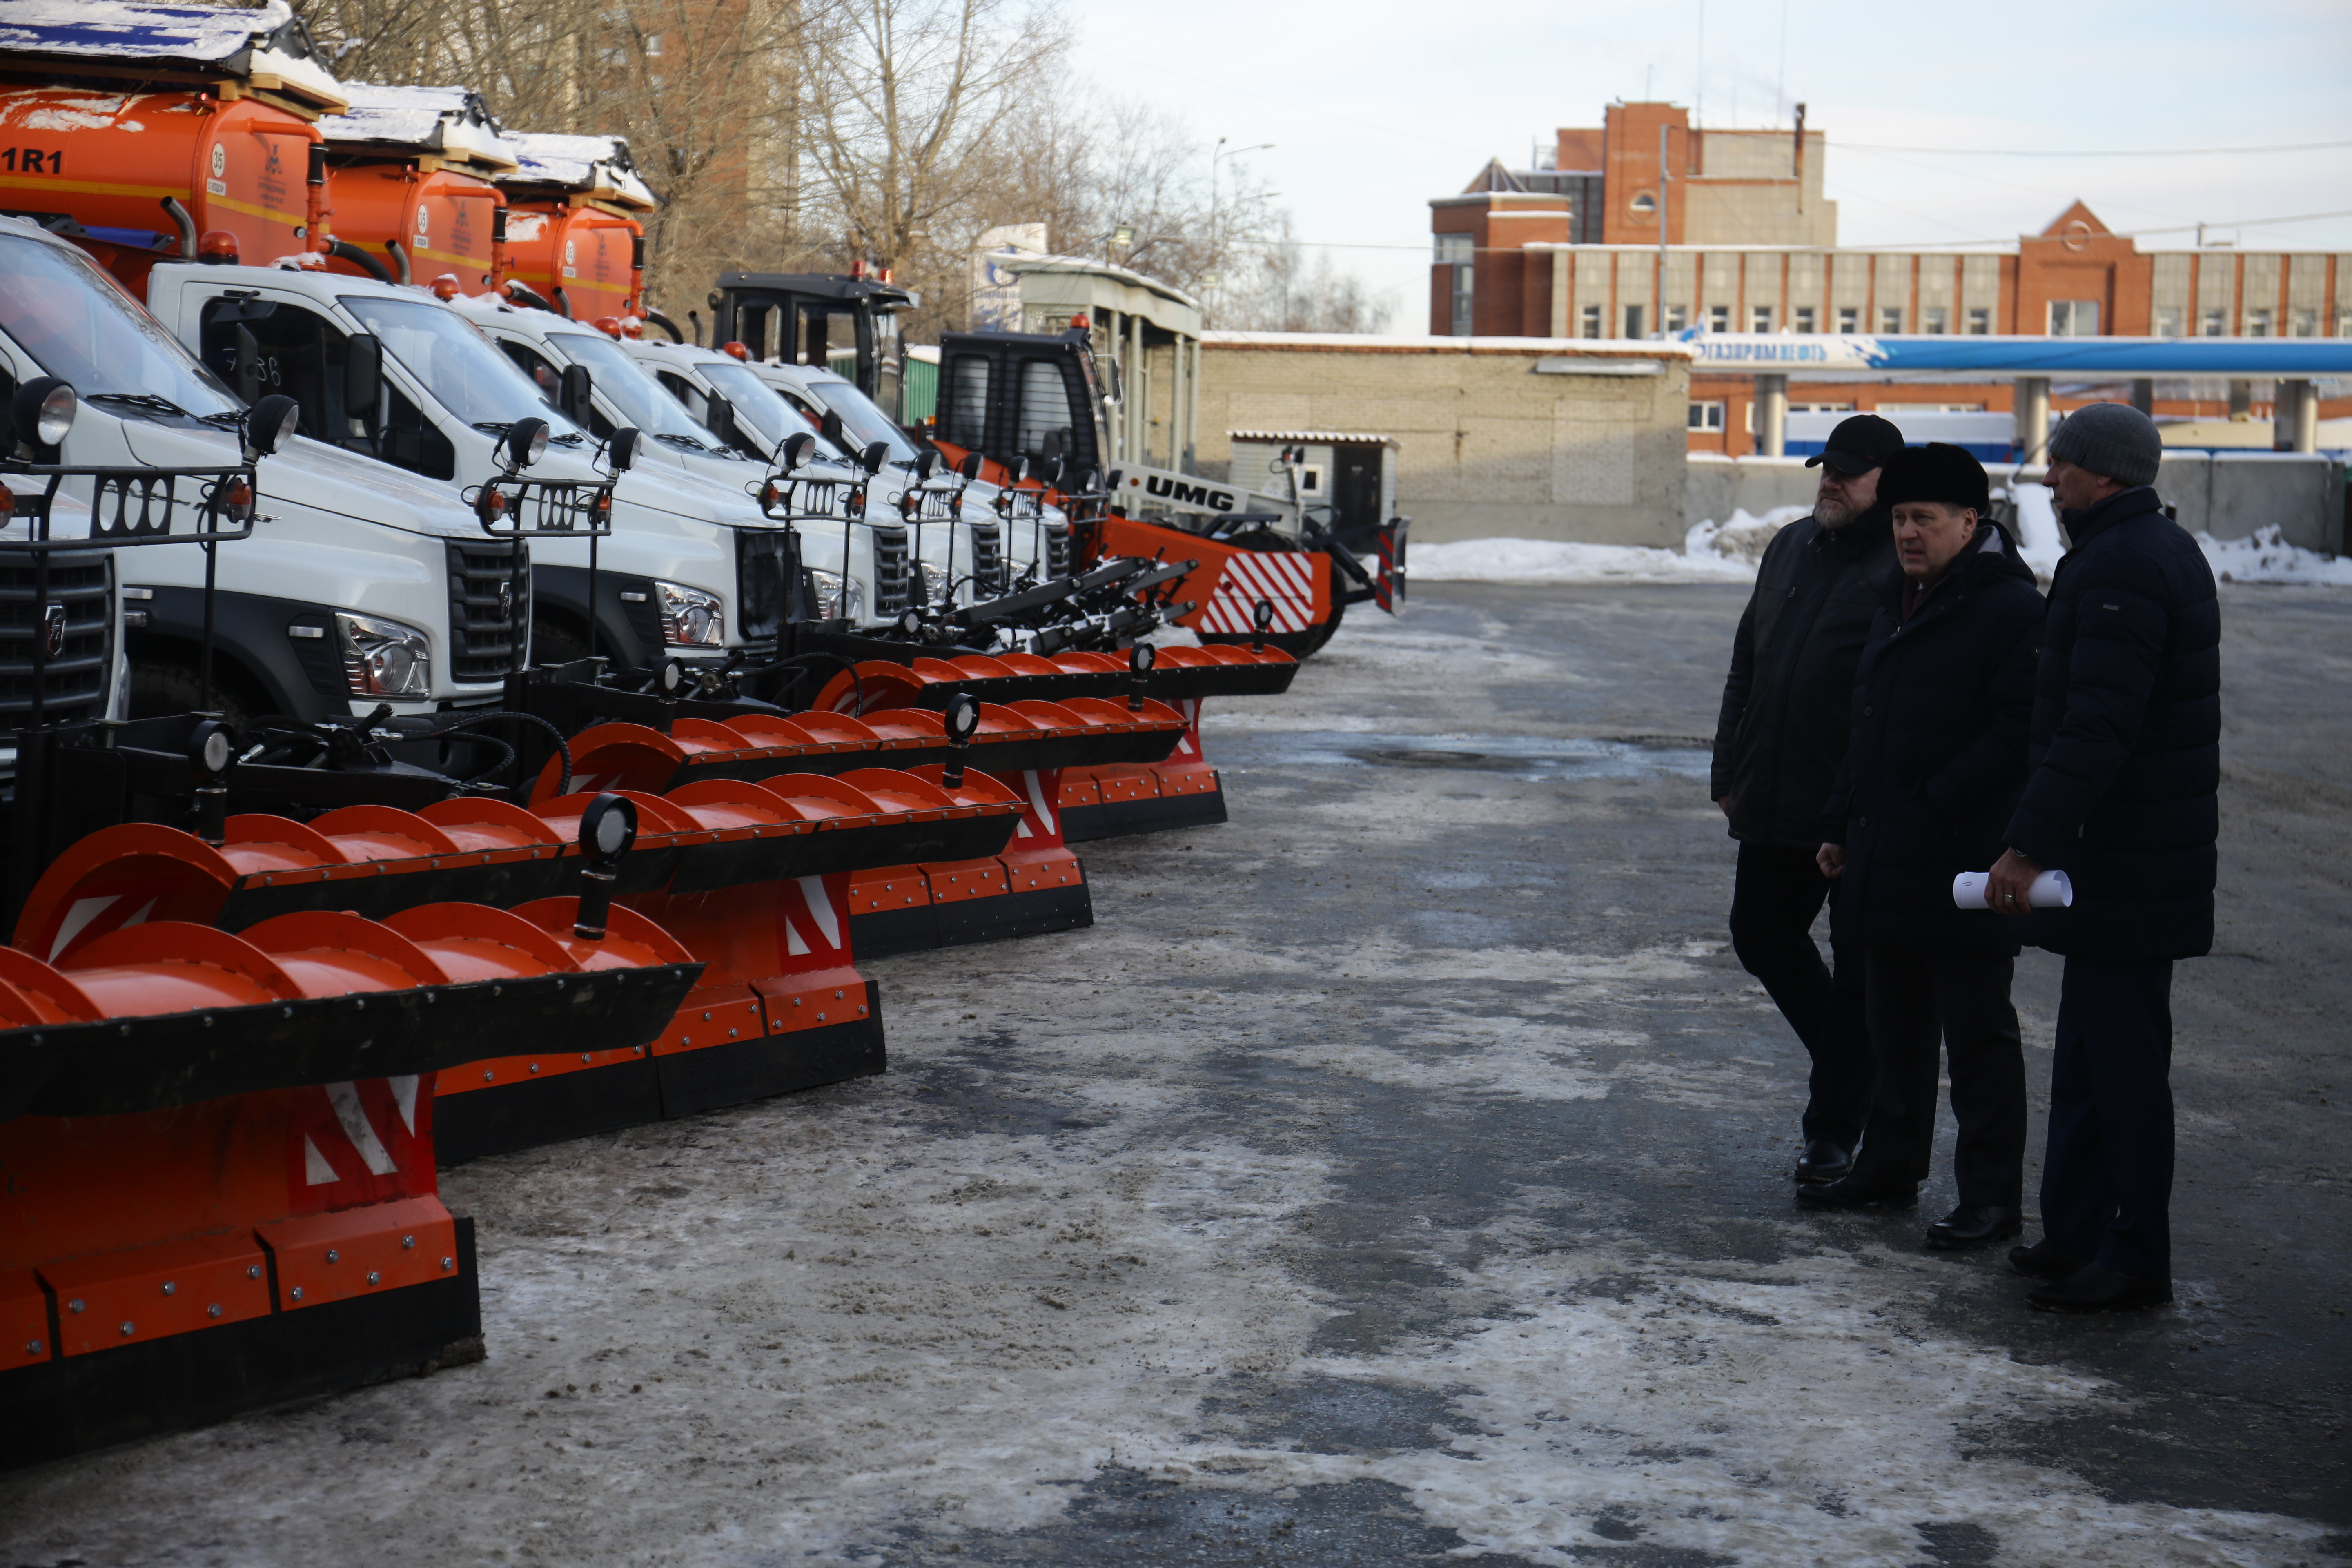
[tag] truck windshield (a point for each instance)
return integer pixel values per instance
(639, 397)
(456, 363)
(75, 323)
(761, 405)
(862, 420)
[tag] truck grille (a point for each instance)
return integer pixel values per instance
(74, 679)
(987, 559)
(485, 617)
(765, 564)
(1057, 550)
(893, 577)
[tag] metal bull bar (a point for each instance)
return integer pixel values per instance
(514, 507)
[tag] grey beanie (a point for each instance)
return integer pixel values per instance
(2110, 438)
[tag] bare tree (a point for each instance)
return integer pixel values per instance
(1280, 291)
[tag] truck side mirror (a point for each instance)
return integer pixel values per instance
(362, 376)
(719, 413)
(832, 426)
(574, 391)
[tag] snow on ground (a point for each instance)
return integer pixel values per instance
(1728, 552)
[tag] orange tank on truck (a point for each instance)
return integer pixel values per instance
(572, 231)
(213, 137)
(412, 199)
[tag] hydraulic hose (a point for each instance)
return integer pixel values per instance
(344, 250)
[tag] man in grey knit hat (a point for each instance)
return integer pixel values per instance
(2123, 761)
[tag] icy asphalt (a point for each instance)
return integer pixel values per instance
(1394, 1174)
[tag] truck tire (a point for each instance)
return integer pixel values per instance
(158, 689)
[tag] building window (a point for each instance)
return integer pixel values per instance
(2304, 323)
(2213, 323)
(2258, 323)
(1707, 416)
(1980, 323)
(1592, 321)
(1718, 318)
(1890, 318)
(2167, 320)
(1849, 319)
(1804, 314)
(1462, 320)
(1453, 248)
(1932, 321)
(1633, 321)
(2074, 317)
(1759, 318)
(1677, 318)
(2344, 323)
(1643, 201)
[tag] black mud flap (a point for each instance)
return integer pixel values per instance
(1156, 814)
(719, 1076)
(79, 1402)
(533, 1111)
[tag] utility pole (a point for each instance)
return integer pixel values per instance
(1799, 160)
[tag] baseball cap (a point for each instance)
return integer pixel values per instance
(1859, 445)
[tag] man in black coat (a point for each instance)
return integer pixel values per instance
(2126, 762)
(1776, 748)
(1941, 704)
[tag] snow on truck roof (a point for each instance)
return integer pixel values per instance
(453, 121)
(267, 47)
(593, 166)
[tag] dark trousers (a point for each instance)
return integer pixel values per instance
(1777, 891)
(1924, 1004)
(2106, 1180)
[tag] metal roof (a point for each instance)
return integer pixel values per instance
(2013, 356)
(1312, 437)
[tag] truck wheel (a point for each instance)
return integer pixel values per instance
(555, 642)
(160, 690)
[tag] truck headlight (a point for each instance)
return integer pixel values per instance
(691, 616)
(384, 658)
(834, 602)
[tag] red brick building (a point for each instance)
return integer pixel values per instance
(1573, 251)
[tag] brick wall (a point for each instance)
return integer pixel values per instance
(1489, 444)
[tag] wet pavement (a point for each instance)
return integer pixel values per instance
(1395, 1173)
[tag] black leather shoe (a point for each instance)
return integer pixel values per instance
(1822, 1160)
(1973, 1226)
(2095, 1288)
(2044, 1261)
(1854, 1193)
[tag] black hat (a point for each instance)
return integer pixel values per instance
(1859, 445)
(1939, 472)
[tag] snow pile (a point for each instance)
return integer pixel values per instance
(2264, 557)
(1711, 553)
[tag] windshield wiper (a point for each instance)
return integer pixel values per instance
(146, 400)
(686, 442)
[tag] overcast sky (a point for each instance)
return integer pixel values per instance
(1377, 106)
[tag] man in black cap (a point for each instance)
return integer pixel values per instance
(1778, 746)
(1935, 768)
(2125, 759)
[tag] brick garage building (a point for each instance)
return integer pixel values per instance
(1495, 437)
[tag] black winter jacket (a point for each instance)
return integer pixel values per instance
(2127, 741)
(1783, 727)
(1941, 704)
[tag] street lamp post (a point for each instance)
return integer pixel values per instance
(1216, 235)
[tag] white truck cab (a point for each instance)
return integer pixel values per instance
(621, 393)
(361, 585)
(691, 565)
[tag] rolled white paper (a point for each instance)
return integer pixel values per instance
(2052, 890)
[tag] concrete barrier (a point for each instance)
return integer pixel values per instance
(2229, 495)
